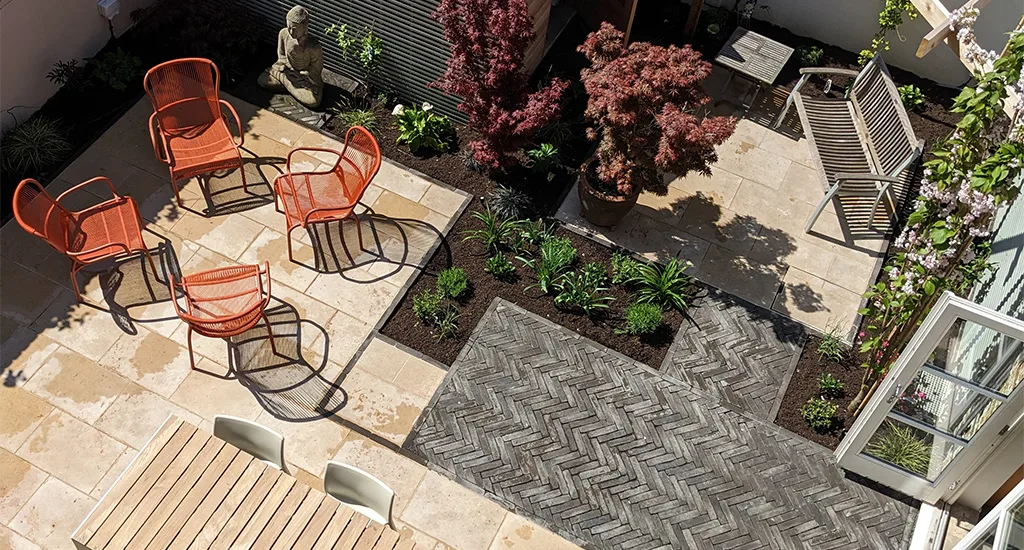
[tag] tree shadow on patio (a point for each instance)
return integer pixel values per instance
(291, 384)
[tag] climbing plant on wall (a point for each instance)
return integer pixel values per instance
(889, 19)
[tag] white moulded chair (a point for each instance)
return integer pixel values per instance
(363, 492)
(255, 439)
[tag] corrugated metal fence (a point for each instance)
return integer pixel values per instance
(415, 51)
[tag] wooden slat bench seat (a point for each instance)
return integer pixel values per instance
(187, 489)
(862, 144)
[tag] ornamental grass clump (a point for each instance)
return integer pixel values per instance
(645, 100)
(641, 319)
(489, 39)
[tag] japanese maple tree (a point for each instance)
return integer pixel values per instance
(489, 39)
(646, 100)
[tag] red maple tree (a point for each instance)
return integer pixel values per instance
(489, 39)
(645, 99)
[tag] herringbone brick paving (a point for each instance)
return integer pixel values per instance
(612, 454)
(736, 351)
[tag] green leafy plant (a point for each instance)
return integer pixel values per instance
(829, 385)
(625, 269)
(900, 446)
(339, 34)
(534, 233)
(452, 282)
(358, 117)
(117, 69)
(580, 291)
(371, 52)
(34, 146)
(426, 305)
(831, 347)
(422, 129)
(542, 158)
(555, 256)
(596, 273)
(510, 203)
(499, 267)
(912, 97)
(819, 414)
(641, 319)
(447, 322)
(809, 56)
(667, 286)
(496, 232)
(889, 19)
(65, 72)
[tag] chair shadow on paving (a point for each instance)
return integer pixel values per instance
(223, 190)
(290, 384)
(388, 245)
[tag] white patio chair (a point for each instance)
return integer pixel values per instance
(363, 492)
(255, 439)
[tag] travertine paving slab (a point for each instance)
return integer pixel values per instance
(71, 450)
(18, 482)
(444, 508)
(45, 518)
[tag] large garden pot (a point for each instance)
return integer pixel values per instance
(599, 208)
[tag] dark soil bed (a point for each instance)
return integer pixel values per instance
(804, 386)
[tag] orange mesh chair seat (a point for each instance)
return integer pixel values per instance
(223, 302)
(188, 128)
(106, 230)
(329, 195)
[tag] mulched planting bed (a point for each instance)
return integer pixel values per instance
(804, 386)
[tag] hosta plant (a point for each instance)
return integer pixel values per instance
(422, 129)
(667, 286)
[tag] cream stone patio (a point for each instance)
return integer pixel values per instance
(743, 227)
(84, 386)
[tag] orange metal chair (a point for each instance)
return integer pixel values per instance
(331, 195)
(191, 134)
(223, 302)
(106, 230)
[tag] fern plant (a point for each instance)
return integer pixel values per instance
(667, 286)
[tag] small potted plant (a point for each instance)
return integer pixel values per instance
(646, 103)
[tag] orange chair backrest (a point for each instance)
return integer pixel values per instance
(184, 93)
(362, 153)
(39, 214)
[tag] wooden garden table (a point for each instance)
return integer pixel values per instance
(189, 489)
(756, 58)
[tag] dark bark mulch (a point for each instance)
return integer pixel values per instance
(804, 386)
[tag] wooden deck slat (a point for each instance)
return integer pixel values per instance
(369, 537)
(138, 490)
(174, 497)
(159, 490)
(317, 524)
(246, 510)
(231, 502)
(135, 470)
(213, 499)
(267, 509)
(188, 489)
(355, 527)
(276, 524)
(335, 528)
(165, 536)
(299, 520)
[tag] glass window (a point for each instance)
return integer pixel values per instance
(953, 408)
(980, 355)
(911, 449)
(1015, 537)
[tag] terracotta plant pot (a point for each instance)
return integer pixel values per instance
(602, 209)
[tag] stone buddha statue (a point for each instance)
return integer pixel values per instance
(300, 62)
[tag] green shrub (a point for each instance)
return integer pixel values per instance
(422, 129)
(555, 256)
(33, 146)
(499, 267)
(543, 158)
(831, 347)
(809, 56)
(452, 282)
(624, 268)
(580, 291)
(900, 446)
(497, 232)
(426, 306)
(829, 385)
(912, 97)
(358, 117)
(117, 69)
(641, 319)
(666, 286)
(510, 203)
(819, 414)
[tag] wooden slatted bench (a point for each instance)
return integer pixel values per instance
(861, 144)
(188, 489)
